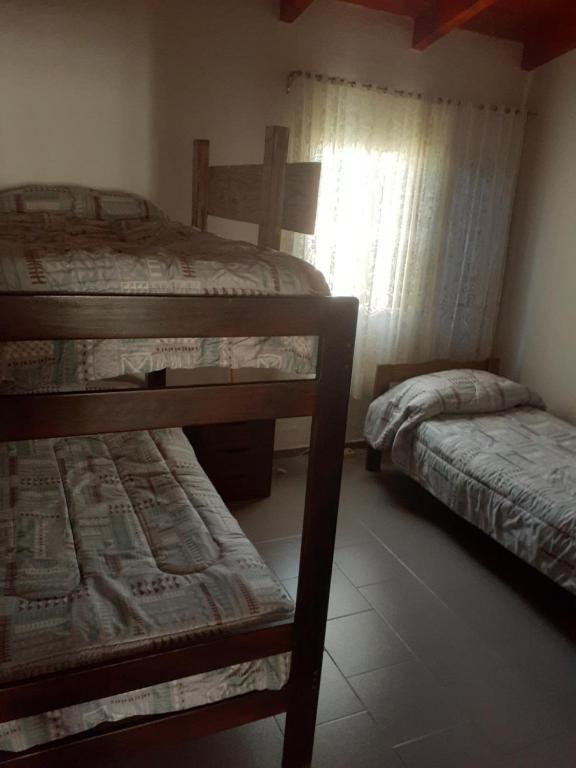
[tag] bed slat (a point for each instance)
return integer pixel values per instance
(235, 193)
(104, 747)
(76, 686)
(276, 195)
(30, 417)
(37, 317)
(301, 197)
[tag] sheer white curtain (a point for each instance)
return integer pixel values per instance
(413, 219)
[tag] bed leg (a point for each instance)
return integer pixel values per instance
(319, 534)
(373, 459)
(156, 379)
(301, 722)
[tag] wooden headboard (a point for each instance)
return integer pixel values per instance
(387, 375)
(275, 195)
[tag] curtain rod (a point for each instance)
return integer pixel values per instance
(297, 74)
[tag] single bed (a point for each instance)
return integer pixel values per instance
(128, 589)
(487, 448)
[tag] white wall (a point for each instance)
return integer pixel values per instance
(536, 334)
(110, 92)
(226, 65)
(75, 93)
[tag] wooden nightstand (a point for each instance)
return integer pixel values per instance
(236, 457)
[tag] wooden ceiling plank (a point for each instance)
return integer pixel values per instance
(290, 10)
(442, 17)
(550, 39)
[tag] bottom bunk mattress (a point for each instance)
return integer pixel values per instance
(116, 544)
(512, 474)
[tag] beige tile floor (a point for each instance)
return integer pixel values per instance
(442, 650)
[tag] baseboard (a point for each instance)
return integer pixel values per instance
(286, 453)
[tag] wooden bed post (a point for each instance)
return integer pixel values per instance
(319, 531)
(200, 184)
(274, 195)
(273, 182)
(373, 459)
(373, 455)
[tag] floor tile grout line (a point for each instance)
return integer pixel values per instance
(349, 678)
(478, 637)
(274, 541)
(377, 510)
(403, 762)
(346, 680)
(369, 607)
(277, 724)
(411, 572)
(298, 537)
(399, 637)
(344, 615)
(445, 684)
(353, 613)
(333, 720)
(393, 630)
(445, 605)
(434, 733)
(343, 718)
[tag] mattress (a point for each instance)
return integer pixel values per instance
(74, 240)
(512, 474)
(116, 544)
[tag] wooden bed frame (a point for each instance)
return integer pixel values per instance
(37, 316)
(389, 375)
(276, 195)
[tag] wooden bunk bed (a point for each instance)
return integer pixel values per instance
(23, 417)
(275, 196)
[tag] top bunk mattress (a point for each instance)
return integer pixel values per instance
(76, 240)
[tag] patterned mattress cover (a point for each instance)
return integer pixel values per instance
(511, 472)
(114, 544)
(78, 240)
(513, 475)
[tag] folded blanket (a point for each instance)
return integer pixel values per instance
(397, 412)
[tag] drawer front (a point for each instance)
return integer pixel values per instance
(236, 457)
(238, 474)
(233, 461)
(244, 434)
(244, 488)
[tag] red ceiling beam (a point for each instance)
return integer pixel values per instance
(291, 9)
(550, 38)
(442, 17)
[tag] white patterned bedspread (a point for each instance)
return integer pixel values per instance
(112, 545)
(49, 252)
(511, 472)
